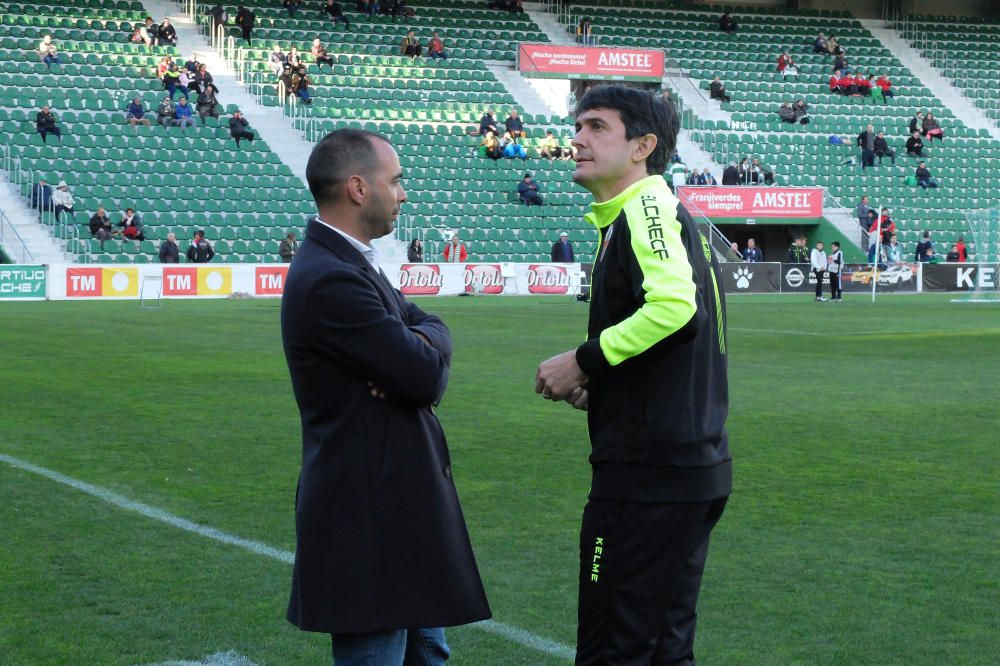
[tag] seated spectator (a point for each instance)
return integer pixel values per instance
(801, 110)
(952, 256)
(292, 6)
(169, 252)
(131, 226)
(885, 85)
(136, 113)
(288, 247)
(761, 176)
(163, 67)
(819, 44)
(411, 46)
(238, 128)
(200, 251)
(185, 82)
(932, 257)
(301, 85)
(47, 52)
(832, 45)
(583, 31)
(511, 148)
(166, 113)
(707, 178)
(319, 54)
(294, 59)
(369, 7)
(41, 195)
(923, 175)
(171, 81)
(915, 145)
(550, 148)
(276, 61)
(100, 225)
(183, 116)
(840, 64)
(786, 113)
(882, 148)
(491, 145)
(864, 84)
(208, 105)
(167, 35)
(527, 190)
(835, 82)
(415, 252)
(436, 48)
(514, 126)
(487, 123)
(752, 253)
(63, 200)
(931, 128)
(203, 81)
(923, 246)
(847, 85)
(727, 24)
(694, 178)
(191, 64)
(455, 250)
(285, 81)
(391, 8)
(147, 33)
(716, 90)
(787, 67)
(917, 122)
(45, 124)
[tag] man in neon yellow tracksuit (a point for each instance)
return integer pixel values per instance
(652, 377)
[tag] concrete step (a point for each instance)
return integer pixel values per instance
(549, 24)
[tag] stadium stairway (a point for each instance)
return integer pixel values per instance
(953, 98)
(37, 237)
(545, 100)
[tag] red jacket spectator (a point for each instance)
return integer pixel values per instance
(463, 254)
(963, 253)
(784, 60)
(864, 85)
(883, 83)
(845, 82)
(834, 83)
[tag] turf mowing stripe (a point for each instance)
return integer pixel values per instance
(510, 632)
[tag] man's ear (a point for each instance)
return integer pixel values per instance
(644, 148)
(357, 189)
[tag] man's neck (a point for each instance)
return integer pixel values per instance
(602, 194)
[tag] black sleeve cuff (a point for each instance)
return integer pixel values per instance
(590, 357)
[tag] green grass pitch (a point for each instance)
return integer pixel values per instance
(864, 527)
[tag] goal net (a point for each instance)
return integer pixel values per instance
(984, 250)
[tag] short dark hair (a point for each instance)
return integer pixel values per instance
(339, 155)
(835, 243)
(642, 113)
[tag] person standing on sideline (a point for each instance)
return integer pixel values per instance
(455, 251)
(562, 250)
(653, 378)
(200, 251)
(288, 247)
(834, 264)
(169, 252)
(818, 262)
(383, 559)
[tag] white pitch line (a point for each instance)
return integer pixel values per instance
(510, 632)
(217, 659)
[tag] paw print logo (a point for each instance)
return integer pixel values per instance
(742, 277)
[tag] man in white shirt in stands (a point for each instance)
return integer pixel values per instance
(818, 260)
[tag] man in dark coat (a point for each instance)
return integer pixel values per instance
(562, 250)
(246, 20)
(200, 251)
(169, 252)
(238, 128)
(730, 175)
(383, 559)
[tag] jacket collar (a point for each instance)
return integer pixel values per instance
(604, 213)
(337, 244)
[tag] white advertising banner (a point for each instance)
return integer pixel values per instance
(128, 281)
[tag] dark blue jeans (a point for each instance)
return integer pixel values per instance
(416, 647)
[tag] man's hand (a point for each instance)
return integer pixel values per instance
(557, 377)
(579, 398)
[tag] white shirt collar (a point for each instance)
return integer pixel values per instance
(368, 251)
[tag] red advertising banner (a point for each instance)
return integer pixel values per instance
(269, 280)
(484, 279)
(590, 62)
(180, 281)
(548, 279)
(752, 202)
